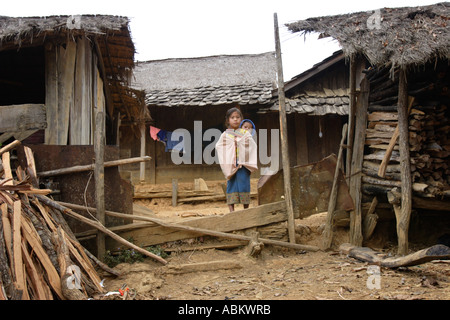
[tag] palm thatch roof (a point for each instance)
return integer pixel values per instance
(214, 80)
(407, 36)
(111, 34)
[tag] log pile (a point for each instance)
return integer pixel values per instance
(428, 138)
(40, 258)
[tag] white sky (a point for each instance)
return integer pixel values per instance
(164, 29)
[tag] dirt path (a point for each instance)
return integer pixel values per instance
(277, 274)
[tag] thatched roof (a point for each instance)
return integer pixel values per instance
(110, 32)
(403, 37)
(214, 80)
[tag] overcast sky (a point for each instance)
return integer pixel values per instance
(194, 28)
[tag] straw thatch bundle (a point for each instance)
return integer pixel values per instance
(407, 36)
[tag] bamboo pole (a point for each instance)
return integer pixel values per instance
(284, 138)
(88, 167)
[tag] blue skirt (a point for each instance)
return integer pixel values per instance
(238, 187)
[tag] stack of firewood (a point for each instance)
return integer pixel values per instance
(431, 156)
(40, 258)
(429, 150)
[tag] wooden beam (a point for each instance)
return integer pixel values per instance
(22, 117)
(405, 165)
(284, 138)
(88, 167)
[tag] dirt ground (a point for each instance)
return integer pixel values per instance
(276, 274)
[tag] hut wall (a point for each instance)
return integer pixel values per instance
(161, 168)
(73, 91)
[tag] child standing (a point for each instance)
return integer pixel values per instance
(237, 153)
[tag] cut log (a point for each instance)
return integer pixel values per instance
(365, 254)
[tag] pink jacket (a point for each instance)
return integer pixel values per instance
(241, 146)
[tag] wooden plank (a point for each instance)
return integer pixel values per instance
(196, 231)
(17, 249)
(174, 192)
(51, 92)
(22, 117)
(66, 78)
(81, 98)
(237, 220)
(7, 230)
(34, 241)
(38, 283)
(6, 162)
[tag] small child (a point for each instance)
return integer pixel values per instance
(248, 125)
(237, 154)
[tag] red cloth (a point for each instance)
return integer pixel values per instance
(153, 132)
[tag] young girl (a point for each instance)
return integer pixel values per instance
(237, 154)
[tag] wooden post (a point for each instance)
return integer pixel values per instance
(99, 174)
(356, 237)
(328, 232)
(405, 166)
(284, 138)
(142, 165)
(351, 117)
(174, 192)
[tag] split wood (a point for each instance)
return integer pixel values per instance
(100, 227)
(197, 230)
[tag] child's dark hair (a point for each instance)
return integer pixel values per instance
(229, 113)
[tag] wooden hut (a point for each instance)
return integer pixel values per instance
(64, 92)
(398, 120)
(317, 105)
(194, 94)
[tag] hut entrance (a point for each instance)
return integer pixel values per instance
(22, 78)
